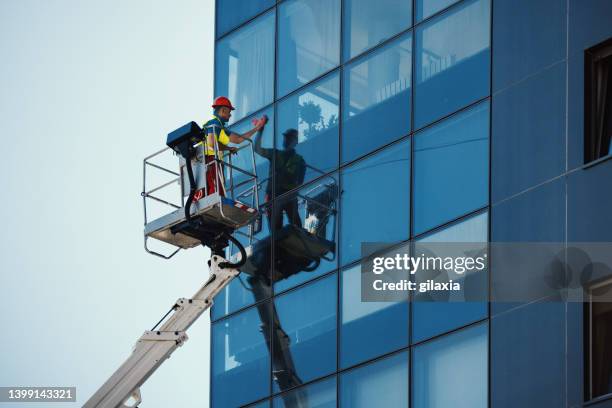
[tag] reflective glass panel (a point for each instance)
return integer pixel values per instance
(305, 233)
(305, 341)
(369, 329)
(380, 384)
(376, 100)
(308, 41)
(253, 284)
(230, 13)
(451, 168)
(375, 200)
(452, 61)
(433, 316)
(307, 127)
(243, 161)
(244, 66)
(452, 371)
(368, 23)
(240, 358)
(427, 8)
(321, 394)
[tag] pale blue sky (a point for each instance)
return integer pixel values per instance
(88, 89)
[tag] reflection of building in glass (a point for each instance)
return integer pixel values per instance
(455, 121)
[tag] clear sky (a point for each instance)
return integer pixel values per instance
(89, 88)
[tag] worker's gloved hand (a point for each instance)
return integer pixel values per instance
(233, 150)
(260, 123)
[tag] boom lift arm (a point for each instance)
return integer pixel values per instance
(156, 345)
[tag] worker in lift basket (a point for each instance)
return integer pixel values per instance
(215, 128)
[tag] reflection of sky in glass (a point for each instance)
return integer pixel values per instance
(245, 66)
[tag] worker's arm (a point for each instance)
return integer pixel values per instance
(239, 138)
(263, 152)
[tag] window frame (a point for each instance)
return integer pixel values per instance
(594, 58)
(588, 341)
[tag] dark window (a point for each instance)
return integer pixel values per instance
(598, 101)
(598, 332)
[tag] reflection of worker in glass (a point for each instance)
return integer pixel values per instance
(289, 170)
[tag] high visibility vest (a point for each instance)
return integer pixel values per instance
(220, 134)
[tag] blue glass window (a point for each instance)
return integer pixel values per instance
(264, 404)
(431, 318)
(240, 358)
(380, 384)
(451, 168)
(308, 120)
(452, 61)
(376, 100)
(308, 41)
(369, 329)
(305, 233)
(307, 316)
(253, 284)
(231, 13)
(452, 371)
(375, 200)
(427, 8)
(321, 394)
(244, 66)
(368, 23)
(244, 159)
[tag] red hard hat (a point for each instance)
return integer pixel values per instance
(222, 101)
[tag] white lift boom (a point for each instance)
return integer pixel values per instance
(155, 346)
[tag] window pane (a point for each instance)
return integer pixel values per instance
(376, 101)
(240, 358)
(230, 13)
(253, 284)
(308, 41)
(452, 371)
(426, 8)
(451, 168)
(431, 318)
(244, 66)
(600, 338)
(305, 345)
(313, 113)
(321, 394)
(369, 329)
(452, 61)
(305, 233)
(265, 404)
(244, 159)
(375, 200)
(368, 23)
(381, 384)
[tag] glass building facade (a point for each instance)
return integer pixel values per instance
(417, 120)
